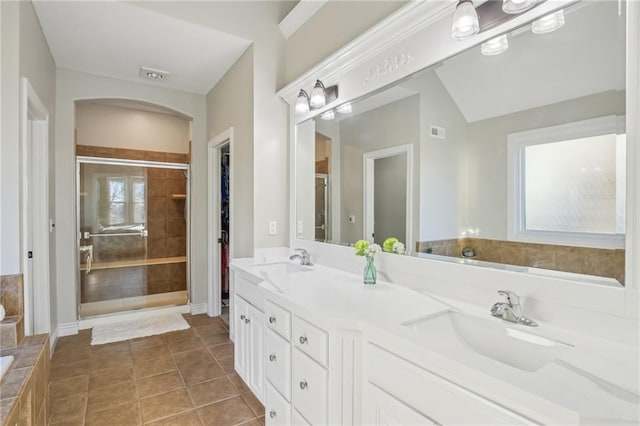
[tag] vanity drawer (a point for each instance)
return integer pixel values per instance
(277, 409)
(431, 395)
(310, 383)
(311, 340)
(278, 319)
(278, 363)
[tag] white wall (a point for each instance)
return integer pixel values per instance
(72, 86)
(230, 104)
(305, 180)
(24, 53)
(117, 127)
(270, 143)
(394, 124)
(442, 167)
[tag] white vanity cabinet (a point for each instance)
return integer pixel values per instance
(296, 367)
(397, 391)
(247, 319)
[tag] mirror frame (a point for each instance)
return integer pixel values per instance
(418, 36)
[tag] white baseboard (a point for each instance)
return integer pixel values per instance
(125, 316)
(198, 308)
(67, 329)
(53, 339)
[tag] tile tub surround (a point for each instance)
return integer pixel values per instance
(179, 378)
(11, 294)
(581, 260)
(24, 389)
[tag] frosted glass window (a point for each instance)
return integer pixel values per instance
(126, 202)
(575, 185)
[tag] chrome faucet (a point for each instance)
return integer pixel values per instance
(511, 309)
(304, 256)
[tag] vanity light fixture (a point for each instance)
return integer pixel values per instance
(344, 108)
(328, 115)
(495, 46)
(465, 21)
(517, 6)
(320, 96)
(548, 23)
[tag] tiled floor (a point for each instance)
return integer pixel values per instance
(181, 378)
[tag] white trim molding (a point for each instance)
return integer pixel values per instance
(67, 329)
(35, 221)
(199, 308)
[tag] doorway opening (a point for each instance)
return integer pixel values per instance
(225, 165)
(388, 195)
(220, 214)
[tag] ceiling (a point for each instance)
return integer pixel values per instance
(196, 42)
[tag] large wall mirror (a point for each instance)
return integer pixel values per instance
(512, 160)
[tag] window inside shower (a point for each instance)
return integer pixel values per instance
(132, 233)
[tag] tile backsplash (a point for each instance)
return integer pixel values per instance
(581, 260)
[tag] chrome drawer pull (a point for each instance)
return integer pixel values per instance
(272, 414)
(303, 339)
(272, 320)
(242, 317)
(303, 385)
(272, 357)
(247, 320)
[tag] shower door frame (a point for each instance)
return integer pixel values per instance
(135, 163)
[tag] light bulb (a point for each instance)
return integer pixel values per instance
(328, 115)
(302, 103)
(465, 21)
(317, 99)
(344, 108)
(517, 6)
(495, 46)
(548, 23)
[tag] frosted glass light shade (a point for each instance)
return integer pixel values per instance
(549, 23)
(302, 103)
(328, 115)
(465, 21)
(495, 46)
(317, 99)
(517, 6)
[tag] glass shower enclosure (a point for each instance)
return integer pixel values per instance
(132, 235)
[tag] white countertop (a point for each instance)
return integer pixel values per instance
(597, 380)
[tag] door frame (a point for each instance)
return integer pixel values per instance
(369, 184)
(327, 196)
(214, 148)
(35, 187)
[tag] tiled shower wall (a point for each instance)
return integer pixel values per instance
(582, 260)
(167, 235)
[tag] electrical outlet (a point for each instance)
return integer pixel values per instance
(352, 219)
(299, 227)
(273, 227)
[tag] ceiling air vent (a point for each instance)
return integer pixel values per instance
(153, 74)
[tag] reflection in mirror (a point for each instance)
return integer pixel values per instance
(517, 158)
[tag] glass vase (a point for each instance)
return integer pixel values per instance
(369, 271)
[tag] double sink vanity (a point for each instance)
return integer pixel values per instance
(319, 347)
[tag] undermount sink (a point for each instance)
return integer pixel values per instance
(497, 340)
